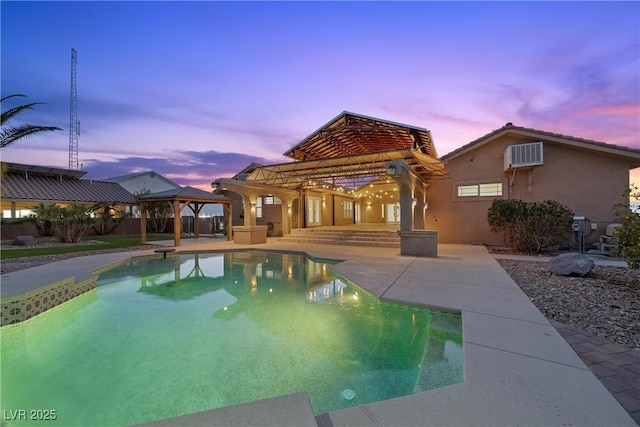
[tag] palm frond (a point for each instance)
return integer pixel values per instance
(12, 134)
(12, 112)
(12, 96)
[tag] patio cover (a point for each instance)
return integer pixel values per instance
(350, 151)
(180, 198)
(348, 173)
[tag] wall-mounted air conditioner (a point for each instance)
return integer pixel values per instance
(523, 156)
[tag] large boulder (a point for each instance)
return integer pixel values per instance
(25, 241)
(570, 265)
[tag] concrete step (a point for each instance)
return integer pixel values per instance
(388, 239)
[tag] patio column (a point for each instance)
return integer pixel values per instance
(287, 209)
(406, 206)
(249, 206)
(229, 226)
(418, 219)
(411, 195)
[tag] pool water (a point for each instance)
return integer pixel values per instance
(160, 338)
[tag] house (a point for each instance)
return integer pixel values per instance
(515, 162)
(26, 186)
(141, 181)
(358, 169)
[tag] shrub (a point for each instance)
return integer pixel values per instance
(158, 213)
(107, 218)
(68, 223)
(530, 227)
(628, 235)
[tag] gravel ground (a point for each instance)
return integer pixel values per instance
(605, 303)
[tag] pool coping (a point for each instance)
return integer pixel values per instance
(518, 369)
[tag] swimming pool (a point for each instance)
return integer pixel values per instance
(164, 337)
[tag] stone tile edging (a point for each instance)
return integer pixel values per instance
(18, 308)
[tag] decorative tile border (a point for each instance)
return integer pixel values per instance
(22, 307)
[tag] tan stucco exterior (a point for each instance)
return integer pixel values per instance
(418, 192)
(587, 179)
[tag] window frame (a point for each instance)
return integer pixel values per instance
(479, 190)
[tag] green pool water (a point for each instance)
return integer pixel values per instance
(160, 338)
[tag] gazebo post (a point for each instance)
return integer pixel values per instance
(196, 220)
(143, 222)
(177, 226)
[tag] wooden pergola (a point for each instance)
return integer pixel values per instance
(180, 198)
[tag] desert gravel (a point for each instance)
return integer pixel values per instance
(606, 302)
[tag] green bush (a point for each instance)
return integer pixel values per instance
(530, 227)
(67, 222)
(628, 235)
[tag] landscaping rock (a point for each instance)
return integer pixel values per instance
(25, 241)
(570, 265)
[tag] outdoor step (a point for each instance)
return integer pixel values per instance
(371, 238)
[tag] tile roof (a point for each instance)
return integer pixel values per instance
(510, 127)
(40, 188)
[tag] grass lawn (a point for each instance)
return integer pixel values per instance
(107, 242)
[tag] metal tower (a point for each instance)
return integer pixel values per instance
(74, 124)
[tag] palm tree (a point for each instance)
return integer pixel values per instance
(11, 134)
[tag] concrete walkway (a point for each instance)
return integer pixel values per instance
(519, 370)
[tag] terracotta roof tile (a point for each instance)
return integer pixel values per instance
(510, 127)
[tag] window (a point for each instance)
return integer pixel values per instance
(313, 205)
(271, 200)
(259, 207)
(265, 200)
(491, 189)
(347, 209)
(467, 190)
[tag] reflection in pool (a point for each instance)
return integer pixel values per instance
(165, 337)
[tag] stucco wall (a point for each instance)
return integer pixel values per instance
(588, 182)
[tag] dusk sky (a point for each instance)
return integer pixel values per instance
(199, 90)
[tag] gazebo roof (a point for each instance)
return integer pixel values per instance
(185, 194)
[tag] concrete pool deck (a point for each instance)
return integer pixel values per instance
(518, 370)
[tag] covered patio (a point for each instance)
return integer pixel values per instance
(346, 164)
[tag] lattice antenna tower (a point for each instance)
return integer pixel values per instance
(74, 124)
